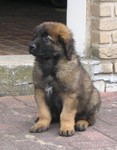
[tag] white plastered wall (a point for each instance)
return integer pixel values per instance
(76, 21)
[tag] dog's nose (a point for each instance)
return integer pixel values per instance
(32, 47)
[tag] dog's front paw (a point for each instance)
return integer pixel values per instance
(38, 128)
(66, 132)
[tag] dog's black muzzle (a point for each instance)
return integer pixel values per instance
(36, 51)
(32, 49)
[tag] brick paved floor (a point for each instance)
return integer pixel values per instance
(18, 19)
(17, 115)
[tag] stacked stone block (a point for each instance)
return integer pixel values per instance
(104, 43)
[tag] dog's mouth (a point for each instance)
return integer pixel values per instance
(36, 52)
(44, 54)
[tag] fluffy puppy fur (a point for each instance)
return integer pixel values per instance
(63, 89)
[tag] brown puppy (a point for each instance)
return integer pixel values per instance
(62, 87)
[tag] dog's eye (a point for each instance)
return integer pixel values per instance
(45, 38)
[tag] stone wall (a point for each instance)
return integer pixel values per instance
(104, 43)
(16, 75)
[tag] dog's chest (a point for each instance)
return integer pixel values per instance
(48, 68)
(49, 85)
(51, 77)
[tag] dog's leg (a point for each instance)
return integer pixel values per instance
(68, 114)
(85, 121)
(89, 116)
(44, 113)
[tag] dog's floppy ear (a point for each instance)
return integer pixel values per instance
(68, 46)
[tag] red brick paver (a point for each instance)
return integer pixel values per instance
(18, 114)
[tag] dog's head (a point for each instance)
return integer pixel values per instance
(52, 39)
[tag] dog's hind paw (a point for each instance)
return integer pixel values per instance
(81, 125)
